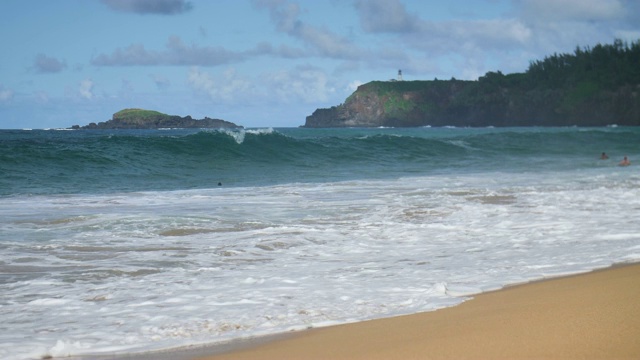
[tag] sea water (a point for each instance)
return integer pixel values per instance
(134, 241)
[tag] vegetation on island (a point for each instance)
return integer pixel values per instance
(138, 115)
(151, 119)
(591, 87)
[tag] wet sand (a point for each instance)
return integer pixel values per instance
(588, 316)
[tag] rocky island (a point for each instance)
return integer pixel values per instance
(150, 119)
(593, 87)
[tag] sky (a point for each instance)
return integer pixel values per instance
(268, 63)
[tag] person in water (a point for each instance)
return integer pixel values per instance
(604, 156)
(625, 162)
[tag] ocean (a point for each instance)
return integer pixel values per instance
(130, 241)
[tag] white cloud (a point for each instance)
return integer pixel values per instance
(303, 84)
(230, 87)
(306, 84)
(327, 43)
(427, 46)
(319, 41)
(177, 53)
(353, 86)
(201, 80)
(134, 54)
(561, 25)
(181, 54)
(459, 36)
(86, 89)
(530, 29)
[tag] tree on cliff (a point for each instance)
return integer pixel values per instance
(609, 66)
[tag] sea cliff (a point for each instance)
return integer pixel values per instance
(593, 87)
(150, 119)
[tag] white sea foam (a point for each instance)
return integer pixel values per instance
(239, 134)
(131, 272)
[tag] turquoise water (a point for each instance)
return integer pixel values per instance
(64, 162)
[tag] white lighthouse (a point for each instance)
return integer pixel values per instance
(399, 75)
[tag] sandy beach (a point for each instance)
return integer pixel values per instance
(588, 316)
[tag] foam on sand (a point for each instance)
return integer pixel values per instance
(587, 316)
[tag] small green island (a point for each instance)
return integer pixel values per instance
(151, 119)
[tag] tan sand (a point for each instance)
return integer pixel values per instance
(589, 316)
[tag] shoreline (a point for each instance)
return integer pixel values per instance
(591, 315)
(446, 334)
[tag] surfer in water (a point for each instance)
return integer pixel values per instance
(625, 162)
(604, 156)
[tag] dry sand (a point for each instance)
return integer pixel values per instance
(589, 316)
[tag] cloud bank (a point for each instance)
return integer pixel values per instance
(303, 84)
(142, 7)
(319, 41)
(176, 53)
(530, 27)
(223, 89)
(44, 64)
(385, 16)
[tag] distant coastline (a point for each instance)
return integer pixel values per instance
(151, 119)
(596, 86)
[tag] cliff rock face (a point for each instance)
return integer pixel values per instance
(149, 119)
(494, 100)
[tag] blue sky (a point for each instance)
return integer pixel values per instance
(262, 63)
